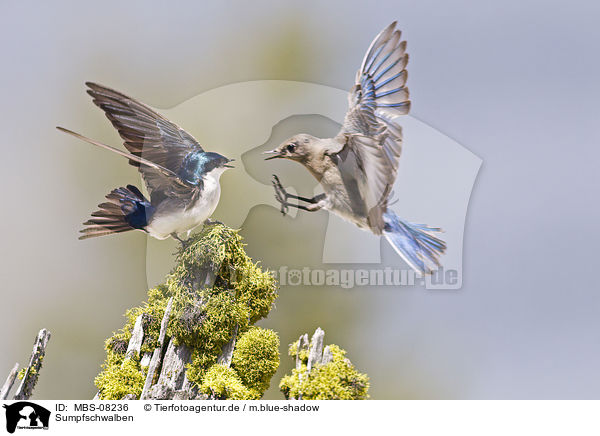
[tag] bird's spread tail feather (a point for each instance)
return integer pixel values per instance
(126, 209)
(415, 243)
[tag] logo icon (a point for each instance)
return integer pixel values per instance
(26, 415)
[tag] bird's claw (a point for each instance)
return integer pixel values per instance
(210, 222)
(184, 242)
(281, 194)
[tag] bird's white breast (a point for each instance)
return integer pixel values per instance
(182, 220)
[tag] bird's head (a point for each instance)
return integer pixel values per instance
(299, 148)
(200, 165)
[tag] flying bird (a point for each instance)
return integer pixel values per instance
(358, 167)
(181, 178)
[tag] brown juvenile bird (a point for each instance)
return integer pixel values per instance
(358, 167)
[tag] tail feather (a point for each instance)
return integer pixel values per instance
(132, 157)
(127, 209)
(415, 243)
(102, 232)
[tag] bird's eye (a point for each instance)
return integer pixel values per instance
(291, 147)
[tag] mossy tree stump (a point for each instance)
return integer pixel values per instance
(322, 373)
(194, 337)
(28, 375)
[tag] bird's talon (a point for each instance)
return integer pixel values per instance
(281, 195)
(210, 222)
(184, 243)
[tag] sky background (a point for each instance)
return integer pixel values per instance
(514, 82)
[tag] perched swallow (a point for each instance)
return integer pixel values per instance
(181, 178)
(358, 167)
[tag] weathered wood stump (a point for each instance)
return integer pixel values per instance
(30, 374)
(182, 343)
(322, 373)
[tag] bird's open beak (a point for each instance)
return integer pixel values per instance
(276, 154)
(229, 166)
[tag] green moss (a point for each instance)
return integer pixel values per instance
(205, 312)
(152, 312)
(256, 358)
(120, 377)
(221, 382)
(204, 318)
(220, 248)
(293, 351)
(336, 380)
(212, 329)
(22, 371)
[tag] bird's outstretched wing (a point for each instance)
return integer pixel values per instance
(370, 131)
(148, 135)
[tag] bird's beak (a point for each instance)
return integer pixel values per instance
(229, 166)
(276, 154)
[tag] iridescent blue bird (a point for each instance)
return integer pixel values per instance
(358, 167)
(183, 180)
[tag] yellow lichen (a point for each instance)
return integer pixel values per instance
(223, 383)
(205, 312)
(119, 378)
(256, 357)
(336, 380)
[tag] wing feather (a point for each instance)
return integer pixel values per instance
(370, 128)
(146, 134)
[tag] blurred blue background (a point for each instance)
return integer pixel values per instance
(515, 82)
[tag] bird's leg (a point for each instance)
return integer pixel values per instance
(181, 241)
(310, 208)
(281, 192)
(210, 222)
(174, 236)
(281, 195)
